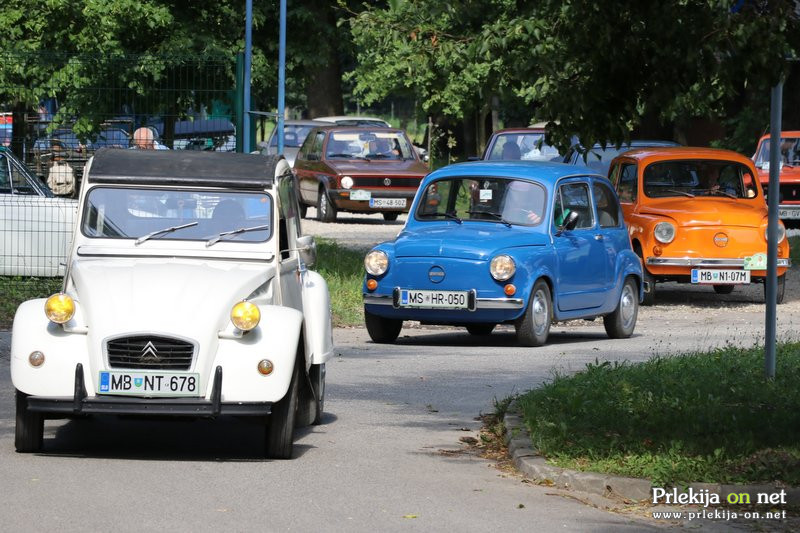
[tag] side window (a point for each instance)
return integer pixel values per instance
(607, 206)
(573, 197)
(20, 183)
(316, 148)
(627, 183)
(749, 184)
(5, 179)
(289, 221)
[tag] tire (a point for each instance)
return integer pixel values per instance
(326, 211)
(303, 210)
(281, 421)
(480, 329)
(648, 280)
(382, 330)
(533, 327)
(723, 289)
(621, 323)
(29, 430)
(390, 217)
(312, 397)
(781, 289)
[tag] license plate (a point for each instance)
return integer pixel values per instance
(387, 202)
(720, 277)
(789, 213)
(360, 194)
(434, 299)
(149, 383)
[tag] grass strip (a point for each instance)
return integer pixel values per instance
(706, 417)
(343, 269)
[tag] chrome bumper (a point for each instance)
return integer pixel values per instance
(480, 303)
(705, 262)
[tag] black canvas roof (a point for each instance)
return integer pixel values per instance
(183, 167)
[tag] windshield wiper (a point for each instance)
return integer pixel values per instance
(215, 240)
(447, 215)
(720, 191)
(690, 195)
(498, 216)
(170, 229)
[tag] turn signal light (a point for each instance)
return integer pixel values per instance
(372, 284)
(657, 250)
(510, 290)
(265, 367)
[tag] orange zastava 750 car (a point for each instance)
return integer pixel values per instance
(696, 215)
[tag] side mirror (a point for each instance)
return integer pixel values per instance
(569, 223)
(307, 248)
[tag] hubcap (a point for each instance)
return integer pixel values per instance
(540, 313)
(627, 306)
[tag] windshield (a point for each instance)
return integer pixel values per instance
(293, 136)
(494, 200)
(175, 214)
(368, 144)
(790, 152)
(699, 178)
(525, 146)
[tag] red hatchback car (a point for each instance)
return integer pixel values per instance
(365, 170)
(789, 198)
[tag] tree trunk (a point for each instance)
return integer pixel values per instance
(324, 82)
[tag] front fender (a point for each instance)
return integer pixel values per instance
(629, 264)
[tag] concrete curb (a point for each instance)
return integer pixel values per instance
(528, 461)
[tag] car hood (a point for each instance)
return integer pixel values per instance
(709, 211)
(787, 175)
(188, 298)
(396, 168)
(476, 241)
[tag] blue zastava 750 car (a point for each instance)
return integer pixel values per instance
(523, 243)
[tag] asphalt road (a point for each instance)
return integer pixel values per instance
(388, 456)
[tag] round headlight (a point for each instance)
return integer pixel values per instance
(245, 316)
(781, 232)
(59, 308)
(376, 262)
(664, 232)
(347, 182)
(502, 267)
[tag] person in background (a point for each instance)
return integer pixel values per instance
(143, 140)
(61, 176)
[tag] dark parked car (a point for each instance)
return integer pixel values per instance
(599, 158)
(367, 170)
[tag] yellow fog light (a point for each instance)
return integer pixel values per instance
(265, 367)
(245, 316)
(59, 308)
(36, 358)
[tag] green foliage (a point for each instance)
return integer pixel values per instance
(794, 250)
(343, 270)
(709, 417)
(14, 290)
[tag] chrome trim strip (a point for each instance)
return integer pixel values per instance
(705, 262)
(377, 299)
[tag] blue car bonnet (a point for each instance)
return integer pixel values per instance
(469, 240)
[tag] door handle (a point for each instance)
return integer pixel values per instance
(598, 237)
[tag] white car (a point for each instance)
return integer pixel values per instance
(187, 293)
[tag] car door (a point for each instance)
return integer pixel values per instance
(580, 252)
(288, 231)
(306, 166)
(611, 229)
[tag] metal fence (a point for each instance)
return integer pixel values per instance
(186, 103)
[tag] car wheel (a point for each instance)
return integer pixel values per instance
(620, 323)
(382, 330)
(534, 326)
(649, 282)
(480, 329)
(29, 430)
(723, 289)
(303, 210)
(312, 397)
(326, 211)
(390, 217)
(281, 421)
(781, 289)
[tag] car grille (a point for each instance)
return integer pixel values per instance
(790, 193)
(378, 182)
(150, 352)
